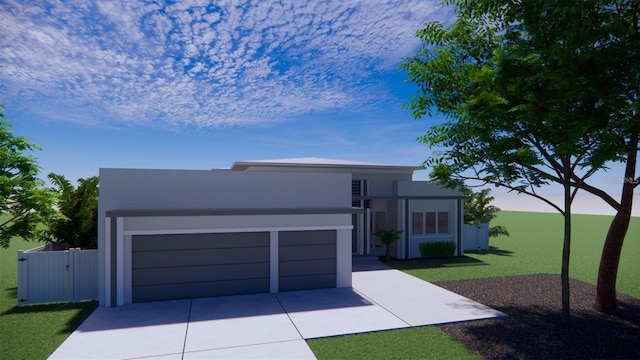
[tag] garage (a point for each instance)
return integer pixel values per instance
(184, 234)
(178, 266)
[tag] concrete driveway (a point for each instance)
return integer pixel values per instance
(267, 326)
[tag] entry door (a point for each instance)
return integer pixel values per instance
(379, 220)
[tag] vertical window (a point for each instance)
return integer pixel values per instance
(443, 222)
(356, 191)
(431, 223)
(417, 223)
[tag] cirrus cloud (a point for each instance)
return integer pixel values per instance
(200, 63)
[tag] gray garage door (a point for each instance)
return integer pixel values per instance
(307, 260)
(182, 266)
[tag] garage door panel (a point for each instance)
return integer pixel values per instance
(182, 266)
(199, 290)
(174, 275)
(151, 259)
(307, 267)
(288, 253)
(307, 260)
(307, 282)
(199, 241)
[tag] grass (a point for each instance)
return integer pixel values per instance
(535, 246)
(425, 342)
(34, 331)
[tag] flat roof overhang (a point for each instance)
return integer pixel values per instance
(319, 163)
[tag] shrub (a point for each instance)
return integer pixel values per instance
(437, 249)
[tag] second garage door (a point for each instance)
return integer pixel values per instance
(182, 266)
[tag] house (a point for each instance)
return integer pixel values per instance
(261, 226)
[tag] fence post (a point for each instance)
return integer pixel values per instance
(22, 279)
(76, 274)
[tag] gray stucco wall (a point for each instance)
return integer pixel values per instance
(422, 188)
(207, 189)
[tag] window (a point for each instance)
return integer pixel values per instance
(443, 222)
(430, 223)
(417, 225)
(358, 188)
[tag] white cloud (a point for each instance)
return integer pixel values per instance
(194, 63)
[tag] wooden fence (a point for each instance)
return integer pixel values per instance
(57, 276)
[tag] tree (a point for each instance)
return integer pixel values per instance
(25, 202)
(520, 84)
(78, 226)
(388, 237)
(478, 210)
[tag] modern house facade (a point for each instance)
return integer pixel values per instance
(386, 197)
(261, 226)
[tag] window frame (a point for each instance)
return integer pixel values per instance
(425, 225)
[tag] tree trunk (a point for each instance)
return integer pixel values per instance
(606, 300)
(566, 248)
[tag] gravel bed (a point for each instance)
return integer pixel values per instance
(533, 329)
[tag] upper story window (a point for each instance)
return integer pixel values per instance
(358, 188)
(430, 223)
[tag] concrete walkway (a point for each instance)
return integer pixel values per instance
(267, 326)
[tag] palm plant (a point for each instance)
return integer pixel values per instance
(78, 208)
(387, 237)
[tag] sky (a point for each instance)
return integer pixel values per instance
(200, 84)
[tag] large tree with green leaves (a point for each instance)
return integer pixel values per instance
(536, 92)
(24, 200)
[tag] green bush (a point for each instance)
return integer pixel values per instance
(437, 249)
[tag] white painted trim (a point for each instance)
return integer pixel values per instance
(274, 249)
(128, 270)
(120, 262)
(343, 258)
(236, 230)
(107, 263)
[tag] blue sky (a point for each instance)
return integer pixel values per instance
(196, 85)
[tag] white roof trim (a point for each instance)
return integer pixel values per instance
(316, 162)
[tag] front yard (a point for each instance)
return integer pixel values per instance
(35, 331)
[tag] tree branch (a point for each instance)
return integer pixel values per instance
(514, 189)
(8, 221)
(554, 164)
(595, 191)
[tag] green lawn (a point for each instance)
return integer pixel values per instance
(534, 246)
(34, 331)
